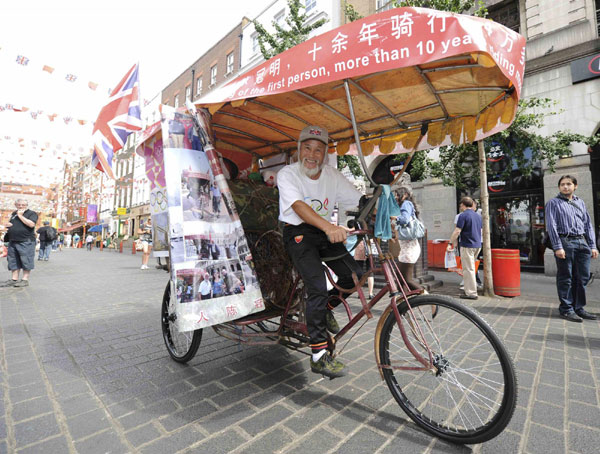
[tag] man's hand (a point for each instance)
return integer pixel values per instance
(594, 253)
(20, 212)
(450, 247)
(560, 253)
(336, 234)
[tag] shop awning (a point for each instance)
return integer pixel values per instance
(417, 79)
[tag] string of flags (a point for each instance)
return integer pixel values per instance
(39, 113)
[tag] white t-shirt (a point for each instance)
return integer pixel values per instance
(321, 195)
(205, 287)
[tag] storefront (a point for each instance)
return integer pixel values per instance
(516, 207)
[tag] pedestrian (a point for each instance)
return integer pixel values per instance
(410, 250)
(68, 239)
(216, 199)
(217, 287)
(89, 241)
(468, 229)
(571, 234)
(146, 237)
(76, 238)
(47, 235)
(21, 244)
(61, 241)
(205, 288)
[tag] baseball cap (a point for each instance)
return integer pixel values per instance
(314, 132)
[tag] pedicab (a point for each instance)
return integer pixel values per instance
(396, 82)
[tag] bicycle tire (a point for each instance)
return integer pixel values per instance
(182, 346)
(473, 410)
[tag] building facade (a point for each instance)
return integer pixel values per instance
(563, 45)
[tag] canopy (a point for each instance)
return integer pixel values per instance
(410, 78)
(96, 228)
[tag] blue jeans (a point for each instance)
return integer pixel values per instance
(573, 274)
(45, 248)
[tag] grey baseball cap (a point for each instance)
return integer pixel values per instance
(314, 132)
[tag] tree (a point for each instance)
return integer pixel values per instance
(285, 37)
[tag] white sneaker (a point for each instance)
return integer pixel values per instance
(144, 267)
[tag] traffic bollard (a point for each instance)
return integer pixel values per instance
(121, 247)
(133, 249)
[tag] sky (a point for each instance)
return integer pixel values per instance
(96, 41)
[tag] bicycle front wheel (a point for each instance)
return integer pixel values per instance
(449, 372)
(182, 346)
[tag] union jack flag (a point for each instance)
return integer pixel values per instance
(71, 77)
(117, 119)
(22, 60)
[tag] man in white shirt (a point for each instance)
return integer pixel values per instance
(205, 288)
(308, 193)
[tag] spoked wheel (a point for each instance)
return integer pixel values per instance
(470, 393)
(182, 346)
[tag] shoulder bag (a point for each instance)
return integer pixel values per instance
(411, 231)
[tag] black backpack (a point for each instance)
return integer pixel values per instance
(51, 234)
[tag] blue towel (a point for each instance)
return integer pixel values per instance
(387, 207)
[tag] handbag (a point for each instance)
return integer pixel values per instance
(411, 231)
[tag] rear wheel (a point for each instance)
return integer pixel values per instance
(470, 393)
(182, 346)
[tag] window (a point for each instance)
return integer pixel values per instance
(188, 92)
(199, 85)
(255, 46)
(383, 5)
(176, 101)
(229, 63)
(507, 14)
(280, 18)
(213, 75)
(310, 4)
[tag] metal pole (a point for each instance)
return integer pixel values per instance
(356, 135)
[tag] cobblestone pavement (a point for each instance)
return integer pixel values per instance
(84, 369)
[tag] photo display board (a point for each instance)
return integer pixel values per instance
(212, 275)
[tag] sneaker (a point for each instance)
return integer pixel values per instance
(468, 297)
(328, 367)
(143, 267)
(22, 283)
(9, 283)
(331, 322)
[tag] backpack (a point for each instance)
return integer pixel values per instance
(51, 234)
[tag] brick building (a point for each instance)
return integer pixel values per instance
(215, 67)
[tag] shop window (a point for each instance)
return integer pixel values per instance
(310, 4)
(213, 75)
(229, 63)
(507, 14)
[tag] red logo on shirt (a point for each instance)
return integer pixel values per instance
(298, 239)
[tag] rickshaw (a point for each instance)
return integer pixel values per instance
(403, 80)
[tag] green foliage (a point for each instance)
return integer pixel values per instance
(352, 163)
(457, 165)
(285, 37)
(454, 6)
(351, 13)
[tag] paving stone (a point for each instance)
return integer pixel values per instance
(552, 378)
(26, 392)
(187, 415)
(102, 443)
(174, 442)
(266, 419)
(227, 418)
(270, 442)
(548, 415)
(235, 395)
(583, 439)
(221, 444)
(142, 435)
(551, 394)
(34, 430)
(581, 378)
(271, 395)
(31, 408)
(81, 403)
(364, 440)
(542, 439)
(318, 441)
(583, 394)
(586, 415)
(87, 423)
(55, 445)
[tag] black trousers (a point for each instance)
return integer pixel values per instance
(306, 246)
